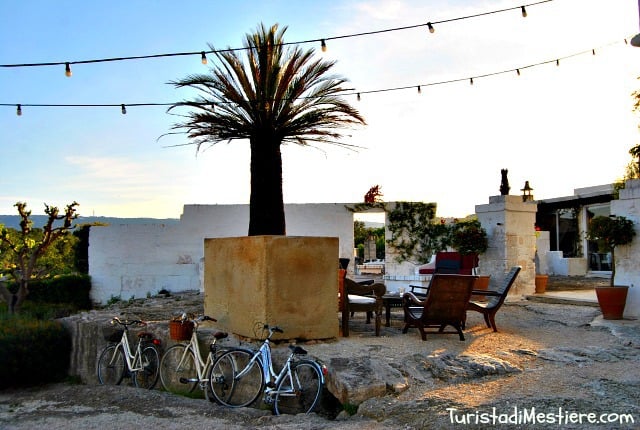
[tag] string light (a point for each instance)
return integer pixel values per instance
(204, 57)
(419, 87)
(593, 51)
(524, 12)
(67, 70)
(430, 25)
(18, 110)
(123, 109)
(518, 72)
(323, 45)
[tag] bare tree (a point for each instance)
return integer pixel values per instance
(26, 247)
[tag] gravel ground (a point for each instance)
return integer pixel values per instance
(566, 356)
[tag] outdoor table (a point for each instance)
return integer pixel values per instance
(391, 300)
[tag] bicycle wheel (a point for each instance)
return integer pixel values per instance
(147, 377)
(178, 372)
(231, 390)
(303, 396)
(111, 365)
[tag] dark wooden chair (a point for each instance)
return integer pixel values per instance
(445, 304)
(357, 297)
(495, 296)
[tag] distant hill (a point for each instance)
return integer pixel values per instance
(13, 221)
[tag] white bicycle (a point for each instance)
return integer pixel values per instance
(182, 367)
(117, 361)
(239, 376)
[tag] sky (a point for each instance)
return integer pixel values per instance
(559, 127)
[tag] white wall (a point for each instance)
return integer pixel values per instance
(627, 257)
(133, 260)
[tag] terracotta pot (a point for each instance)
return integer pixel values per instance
(612, 301)
(541, 283)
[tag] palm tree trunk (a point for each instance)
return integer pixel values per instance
(266, 204)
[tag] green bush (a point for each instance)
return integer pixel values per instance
(70, 289)
(32, 352)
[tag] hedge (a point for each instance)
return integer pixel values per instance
(32, 352)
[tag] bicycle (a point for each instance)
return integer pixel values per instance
(117, 360)
(238, 377)
(182, 367)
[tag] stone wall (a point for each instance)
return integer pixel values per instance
(510, 226)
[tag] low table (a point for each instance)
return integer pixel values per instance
(390, 301)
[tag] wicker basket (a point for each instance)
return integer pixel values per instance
(179, 330)
(112, 334)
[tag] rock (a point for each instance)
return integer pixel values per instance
(355, 379)
(467, 366)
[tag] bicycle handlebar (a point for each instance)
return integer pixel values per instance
(273, 329)
(127, 322)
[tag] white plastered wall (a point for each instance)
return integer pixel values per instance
(133, 260)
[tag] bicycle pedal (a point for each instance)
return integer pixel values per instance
(270, 384)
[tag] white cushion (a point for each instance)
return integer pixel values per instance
(361, 300)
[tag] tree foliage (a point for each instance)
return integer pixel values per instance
(276, 95)
(610, 232)
(31, 253)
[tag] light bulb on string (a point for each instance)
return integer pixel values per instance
(471, 81)
(204, 57)
(18, 110)
(518, 72)
(358, 96)
(323, 45)
(593, 51)
(431, 29)
(558, 62)
(419, 90)
(123, 109)
(67, 70)
(524, 11)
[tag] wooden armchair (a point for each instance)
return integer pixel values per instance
(357, 297)
(496, 294)
(445, 304)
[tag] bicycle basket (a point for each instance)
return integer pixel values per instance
(179, 330)
(112, 334)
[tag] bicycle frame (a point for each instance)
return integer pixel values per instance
(272, 379)
(134, 363)
(201, 365)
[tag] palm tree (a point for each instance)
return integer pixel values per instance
(276, 96)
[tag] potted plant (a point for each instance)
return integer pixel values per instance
(469, 238)
(610, 232)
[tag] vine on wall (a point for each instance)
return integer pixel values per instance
(413, 233)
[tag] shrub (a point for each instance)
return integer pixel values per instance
(32, 352)
(70, 289)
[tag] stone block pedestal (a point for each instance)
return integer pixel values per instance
(287, 281)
